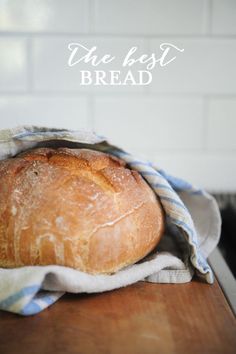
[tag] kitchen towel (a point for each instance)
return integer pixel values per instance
(193, 229)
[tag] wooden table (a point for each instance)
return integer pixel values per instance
(142, 318)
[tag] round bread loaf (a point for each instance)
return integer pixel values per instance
(75, 207)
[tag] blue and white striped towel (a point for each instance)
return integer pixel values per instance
(191, 213)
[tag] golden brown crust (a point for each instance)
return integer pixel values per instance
(75, 207)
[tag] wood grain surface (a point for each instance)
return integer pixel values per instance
(142, 318)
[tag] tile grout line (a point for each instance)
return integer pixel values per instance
(145, 95)
(207, 18)
(90, 115)
(212, 36)
(205, 125)
(210, 13)
(29, 66)
(118, 94)
(91, 16)
(147, 47)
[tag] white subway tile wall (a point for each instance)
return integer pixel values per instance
(185, 120)
(149, 16)
(224, 17)
(156, 123)
(54, 111)
(203, 67)
(51, 72)
(44, 16)
(222, 124)
(13, 64)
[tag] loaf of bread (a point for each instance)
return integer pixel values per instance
(75, 207)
